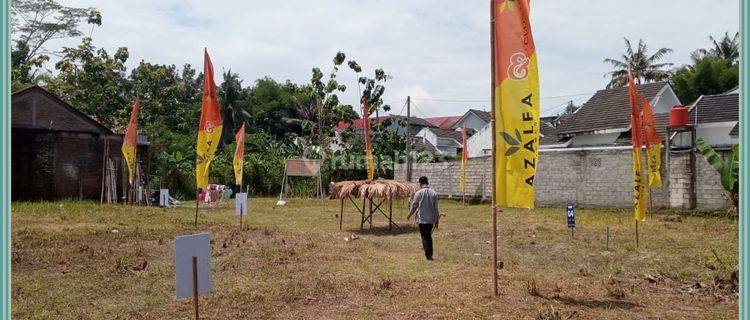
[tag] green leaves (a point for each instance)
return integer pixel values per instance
(727, 167)
(514, 142)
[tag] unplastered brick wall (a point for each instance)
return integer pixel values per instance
(591, 177)
(709, 193)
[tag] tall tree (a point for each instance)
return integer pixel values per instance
(646, 68)
(727, 48)
(94, 81)
(232, 99)
(708, 75)
(36, 22)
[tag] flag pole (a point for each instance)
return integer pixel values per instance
(494, 153)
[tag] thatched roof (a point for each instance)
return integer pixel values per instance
(378, 188)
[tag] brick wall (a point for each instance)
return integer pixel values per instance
(592, 177)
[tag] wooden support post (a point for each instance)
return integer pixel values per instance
(341, 216)
(195, 286)
(362, 222)
(390, 214)
(370, 212)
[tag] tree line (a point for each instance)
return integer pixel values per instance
(282, 118)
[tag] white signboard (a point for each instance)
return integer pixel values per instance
(185, 248)
(164, 197)
(240, 204)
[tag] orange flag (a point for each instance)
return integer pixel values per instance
(129, 144)
(640, 195)
(209, 130)
(369, 158)
(239, 155)
(653, 146)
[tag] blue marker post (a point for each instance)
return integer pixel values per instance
(571, 214)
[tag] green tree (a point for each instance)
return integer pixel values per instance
(270, 102)
(232, 99)
(34, 23)
(708, 75)
(645, 68)
(726, 48)
(94, 81)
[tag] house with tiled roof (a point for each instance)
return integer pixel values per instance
(447, 142)
(474, 119)
(446, 123)
(604, 120)
(715, 118)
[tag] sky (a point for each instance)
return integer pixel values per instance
(436, 51)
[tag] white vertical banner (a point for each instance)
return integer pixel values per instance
(240, 204)
(185, 248)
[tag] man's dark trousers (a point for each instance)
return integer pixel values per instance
(425, 230)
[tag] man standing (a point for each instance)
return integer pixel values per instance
(424, 204)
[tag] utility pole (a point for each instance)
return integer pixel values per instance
(408, 139)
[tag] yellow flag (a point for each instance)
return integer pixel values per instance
(515, 82)
(653, 146)
(130, 141)
(640, 192)
(239, 155)
(464, 159)
(209, 130)
(368, 141)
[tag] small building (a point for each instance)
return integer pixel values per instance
(58, 152)
(604, 120)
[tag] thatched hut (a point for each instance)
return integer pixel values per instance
(377, 191)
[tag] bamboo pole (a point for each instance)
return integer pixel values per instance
(494, 152)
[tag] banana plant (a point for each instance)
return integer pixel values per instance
(728, 167)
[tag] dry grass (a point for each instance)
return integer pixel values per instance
(293, 263)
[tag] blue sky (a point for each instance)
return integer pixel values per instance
(436, 51)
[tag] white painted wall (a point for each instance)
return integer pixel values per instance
(471, 121)
(665, 100)
(716, 133)
(428, 135)
(480, 141)
(594, 139)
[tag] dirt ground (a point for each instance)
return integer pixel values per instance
(80, 260)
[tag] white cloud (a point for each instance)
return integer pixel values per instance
(439, 49)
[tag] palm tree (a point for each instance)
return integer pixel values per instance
(645, 68)
(726, 48)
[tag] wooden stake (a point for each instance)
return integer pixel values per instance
(607, 238)
(195, 286)
(197, 202)
(494, 152)
(636, 235)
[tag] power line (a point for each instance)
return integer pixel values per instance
(487, 100)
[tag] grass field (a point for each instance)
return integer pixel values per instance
(79, 260)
